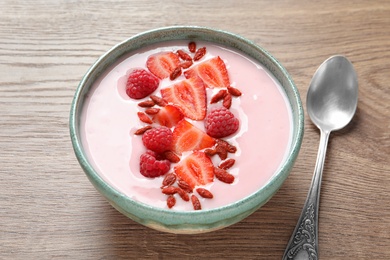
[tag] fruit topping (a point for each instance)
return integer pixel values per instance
(220, 122)
(170, 190)
(146, 103)
(219, 96)
(184, 55)
(171, 201)
(187, 137)
(144, 117)
(168, 116)
(152, 111)
(169, 179)
(204, 193)
(226, 164)
(170, 136)
(223, 175)
(183, 194)
(227, 146)
(163, 64)
(158, 139)
(186, 64)
(141, 83)
(234, 91)
(175, 73)
(195, 202)
(184, 186)
(192, 47)
(200, 53)
(210, 151)
(189, 95)
(213, 72)
(151, 166)
(171, 156)
(227, 101)
(143, 130)
(222, 152)
(196, 169)
(158, 100)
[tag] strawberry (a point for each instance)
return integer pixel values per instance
(213, 72)
(189, 95)
(163, 64)
(196, 169)
(187, 137)
(168, 116)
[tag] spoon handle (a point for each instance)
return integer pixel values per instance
(303, 243)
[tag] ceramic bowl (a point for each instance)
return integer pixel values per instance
(188, 222)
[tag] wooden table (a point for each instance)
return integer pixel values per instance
(49, 209)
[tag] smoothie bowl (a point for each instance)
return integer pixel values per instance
(186, 129)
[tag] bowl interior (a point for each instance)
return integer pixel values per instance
(193, 221)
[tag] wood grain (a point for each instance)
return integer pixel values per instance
(48, 208)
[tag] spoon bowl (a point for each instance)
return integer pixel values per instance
(331, 103)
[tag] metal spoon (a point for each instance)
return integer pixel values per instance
(331, 103)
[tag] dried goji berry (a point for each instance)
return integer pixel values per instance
(195, 202)
(192, 47)
(228, 163)
(171, 201)
(171, 156)
(199, 53)
(219, 96)
(183, 55)
(227, 100)
(158, 100)
(144, 118)
(169, 179)
(175, 73)
(204, 193)
(152, 111)
(146, 103)
(234, 91)
(223, 175)
(143, 130)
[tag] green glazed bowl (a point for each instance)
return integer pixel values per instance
(188, 222)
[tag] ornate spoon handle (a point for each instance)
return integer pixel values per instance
(303, 243)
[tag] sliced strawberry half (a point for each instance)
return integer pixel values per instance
(163, 64)
(213, 72)
(189, 95)
(187, 137)
(196, 169)
(168, 116)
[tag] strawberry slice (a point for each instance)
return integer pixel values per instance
(163, 64)
(189, 95)
(168, 116)
(187, 137)
(213, 72)
(196, 169)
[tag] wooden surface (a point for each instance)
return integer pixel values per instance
(49, 209)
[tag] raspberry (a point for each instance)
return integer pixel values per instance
(220, 122)
(151, 167)
(158, 139)
(141, 83)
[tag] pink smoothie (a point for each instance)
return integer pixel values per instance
(109, 120)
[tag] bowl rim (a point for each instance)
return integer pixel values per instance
(144, 211)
